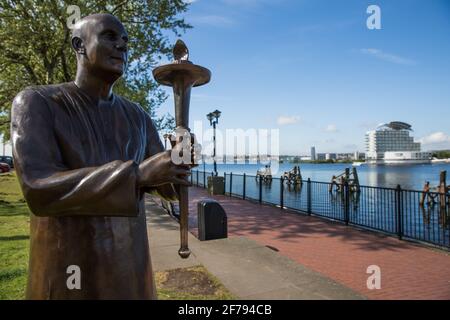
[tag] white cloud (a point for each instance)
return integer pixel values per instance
(436, 140)
(283, 120)
(331, 128)
(379, 54)
(213, 20)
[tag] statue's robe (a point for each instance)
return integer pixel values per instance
(77, 161)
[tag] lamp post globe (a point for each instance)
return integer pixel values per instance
(216, 115)
(210, 117)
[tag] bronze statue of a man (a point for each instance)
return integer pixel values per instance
(84, 158)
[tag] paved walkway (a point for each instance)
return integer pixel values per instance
(245, 267)
(408, 271)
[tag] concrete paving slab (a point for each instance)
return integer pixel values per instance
(248, 269)
(339, 252)
(251, 270)
(167, 258)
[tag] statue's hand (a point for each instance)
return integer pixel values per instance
(195, 148)
(168, 192)
(160, 169)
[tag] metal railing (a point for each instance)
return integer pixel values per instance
(393, 211)
(200, 178)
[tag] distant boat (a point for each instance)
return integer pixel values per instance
(357, 164)
(440, 160)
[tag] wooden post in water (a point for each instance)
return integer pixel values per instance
(425, 191)
(299, 177)
(355, 180)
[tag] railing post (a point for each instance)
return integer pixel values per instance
(346, 203)
(243, 192)
(448, 204)
(308, 196)
(398, 202)
(224, 183)
(197, 178)
(231, 182)
(260, 190)
(281, 193)
(204, 179)
(192, 177)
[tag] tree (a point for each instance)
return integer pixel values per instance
(35, 47)
(441, 154)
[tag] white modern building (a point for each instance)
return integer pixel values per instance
(391, 144)
(330, 156)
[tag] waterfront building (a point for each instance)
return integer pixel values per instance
(391, 143)
(320, 156)
(313, 153)
(344, 156)
(286, 158)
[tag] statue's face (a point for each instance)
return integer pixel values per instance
(106, 47)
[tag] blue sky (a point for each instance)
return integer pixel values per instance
(313, 70)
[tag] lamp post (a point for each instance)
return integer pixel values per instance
(213, 118)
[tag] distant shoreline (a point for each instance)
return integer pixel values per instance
(322, 161)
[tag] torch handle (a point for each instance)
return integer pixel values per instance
(182, 95)
(184, 251)
(182, 76)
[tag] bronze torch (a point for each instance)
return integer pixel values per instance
(182, 75)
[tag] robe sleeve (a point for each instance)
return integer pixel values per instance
(49, 187)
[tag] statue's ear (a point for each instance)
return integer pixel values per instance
(78, 45)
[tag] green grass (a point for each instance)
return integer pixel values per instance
(14, 239)
(189, 283)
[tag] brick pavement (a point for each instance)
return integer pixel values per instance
(408, 270)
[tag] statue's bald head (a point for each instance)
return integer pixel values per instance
(100, 41)
(83, 26)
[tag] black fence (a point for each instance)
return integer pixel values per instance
(408, 214)
(200, 178)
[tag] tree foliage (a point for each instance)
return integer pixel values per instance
(442, 154)
(35, 46)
